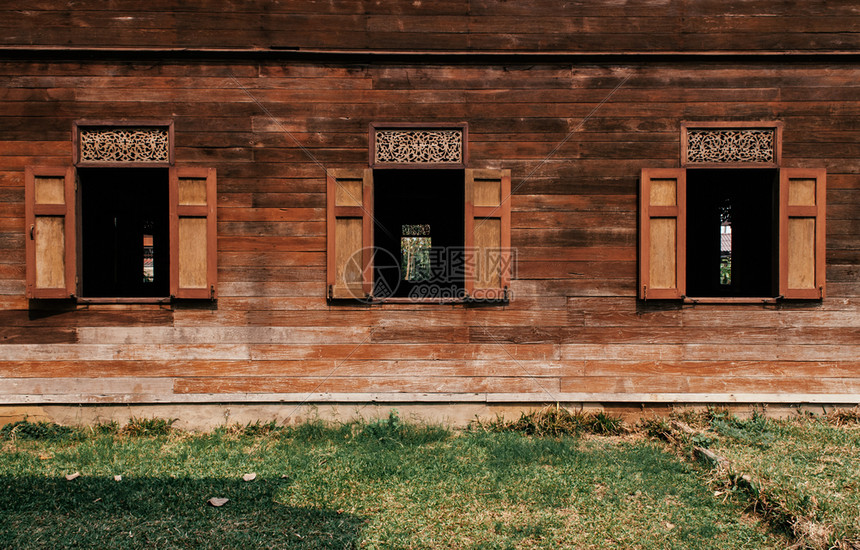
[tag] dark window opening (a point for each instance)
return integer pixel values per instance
(732, 233)
(124, 232)
(419, 233)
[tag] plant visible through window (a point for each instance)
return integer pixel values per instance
(415, 252)
(726, 243)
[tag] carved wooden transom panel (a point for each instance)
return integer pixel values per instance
(124, 144)
(730, 145)
(393, 146)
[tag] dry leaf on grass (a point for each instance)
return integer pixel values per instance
(249, 477)
(216, 501)
(75, 475)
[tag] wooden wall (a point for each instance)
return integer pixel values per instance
(574, 330)
(442, 25)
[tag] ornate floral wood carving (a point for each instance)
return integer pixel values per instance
(418, 146)
(724, 145)
(125, 144)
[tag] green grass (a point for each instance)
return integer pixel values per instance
(383, 484)
(801, 474)
(805, 472)
(556, 421)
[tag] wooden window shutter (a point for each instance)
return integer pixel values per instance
(802, 198)
(662, 233)
(49, 197)
(488, 255)
(193, 233)
(349, 233)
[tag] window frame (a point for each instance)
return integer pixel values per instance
(362, 286)
(785, 211)
(175, 211)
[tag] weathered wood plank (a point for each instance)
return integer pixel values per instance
(415, 367)
(37, 335)
(126, 389)
(314, 368)
(220, 335)
(709, 352)
(849, 336)
(275, 352)
(710, 384)
(368, 384)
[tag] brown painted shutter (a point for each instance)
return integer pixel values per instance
(349, 233)
(488, 256)
(49, 196)
(802, 198)
(193, 233)
(662, 233)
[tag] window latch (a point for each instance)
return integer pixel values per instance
(32, 231)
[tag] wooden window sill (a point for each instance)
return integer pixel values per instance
(441, 301)
(732, 300)
(423, 301)
(141, 300)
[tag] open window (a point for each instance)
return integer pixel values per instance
(419, 234)
(419, 225)
(124, 223)
(732, 224)
(732, 234)
(125, 236)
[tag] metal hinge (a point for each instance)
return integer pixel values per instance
(212, 292)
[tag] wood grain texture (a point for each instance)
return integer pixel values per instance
(664, 243)
(192, 252)
(801, 253)
(50, 190)
(488, 25)
(50, 237)
(573, 329)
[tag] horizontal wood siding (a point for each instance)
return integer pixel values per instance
(573, 330)
(440, 25)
